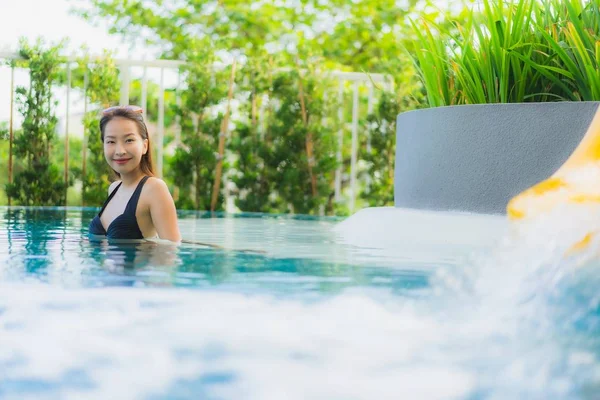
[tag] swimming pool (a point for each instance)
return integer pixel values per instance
(444, 308)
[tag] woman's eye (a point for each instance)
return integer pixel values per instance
(129, 140)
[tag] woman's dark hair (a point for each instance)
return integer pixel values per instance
(135, 115)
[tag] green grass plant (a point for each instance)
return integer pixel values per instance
(511, 51)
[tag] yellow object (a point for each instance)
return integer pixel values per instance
(577, 181)
(583, 243)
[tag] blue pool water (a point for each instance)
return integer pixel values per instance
(435, 306)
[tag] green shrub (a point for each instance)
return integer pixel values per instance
(37, 181)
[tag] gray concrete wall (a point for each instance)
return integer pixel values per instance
(475, 158)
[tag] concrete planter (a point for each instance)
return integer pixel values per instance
(475, 158)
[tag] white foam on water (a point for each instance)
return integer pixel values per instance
(136, 342)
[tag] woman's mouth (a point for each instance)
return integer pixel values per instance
(122, 160)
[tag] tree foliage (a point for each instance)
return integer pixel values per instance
(359, 35)
(191, 166)
(37, 181)
(273, 173)
(381, 125)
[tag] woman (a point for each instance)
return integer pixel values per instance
(139, 205)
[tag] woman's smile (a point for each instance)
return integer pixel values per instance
(121, 161)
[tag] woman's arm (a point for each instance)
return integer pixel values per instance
(163, 212)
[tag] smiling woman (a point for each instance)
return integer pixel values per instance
(139, 205)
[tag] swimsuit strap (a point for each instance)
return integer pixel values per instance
(135, 197)
(109, 198)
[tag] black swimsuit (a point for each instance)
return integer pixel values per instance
(125, 226)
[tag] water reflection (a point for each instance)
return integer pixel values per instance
(31, 234)
(147, 263)
(52, 245)
(119, 255)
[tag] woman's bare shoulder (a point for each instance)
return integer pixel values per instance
(156, 185)
(158, 195)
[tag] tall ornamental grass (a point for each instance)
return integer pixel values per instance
(511, 51)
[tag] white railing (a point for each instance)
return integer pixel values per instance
(356, 79)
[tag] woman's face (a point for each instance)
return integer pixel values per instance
(123, 145)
